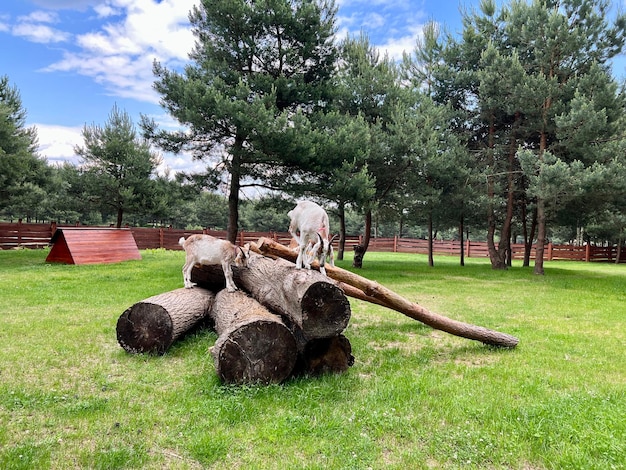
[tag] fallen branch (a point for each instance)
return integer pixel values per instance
(361, 288)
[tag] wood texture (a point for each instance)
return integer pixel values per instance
(254, 345)
(80, 245)
(154, 324)
(305, 298)
(324, 355)
(366, 289)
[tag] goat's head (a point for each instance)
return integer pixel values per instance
(322, 247)
(242, 257)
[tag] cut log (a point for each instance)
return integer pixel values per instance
(365, 289)
(152, 325)
(325, 355)
(304, 298)
(254, 345)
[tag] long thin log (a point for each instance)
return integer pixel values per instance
(366, 289)
(153, 324)
(305, 298)
(254, 345)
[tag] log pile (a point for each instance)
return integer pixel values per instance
(283, 322)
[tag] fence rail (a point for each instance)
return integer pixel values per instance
(27, 235)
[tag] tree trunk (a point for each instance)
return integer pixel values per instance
(153, 324)
(360, 250)
(233, 193)
(362, 288)
(254, 345)
(529, 237)
(541, 236)
(461, 232)
(431, 259)
(303, 297)
(120, 217)
(342, 230)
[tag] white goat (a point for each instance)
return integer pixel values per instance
(205, 249)
(310, 228)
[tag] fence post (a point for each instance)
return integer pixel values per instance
(588, 252)
(550, 251)
(395, 243)
(467, 248)
(19, 232)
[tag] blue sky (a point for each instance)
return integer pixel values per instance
(73, 60)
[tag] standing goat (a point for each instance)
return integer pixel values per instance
(205, 249)
(310, 228)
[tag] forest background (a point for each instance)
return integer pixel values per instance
(513, 131)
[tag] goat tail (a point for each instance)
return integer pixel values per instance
(181, 241)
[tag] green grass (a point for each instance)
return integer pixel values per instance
(416, 398)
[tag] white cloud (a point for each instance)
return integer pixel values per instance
(120, 55)
(39, 17)
(36, 27)
(40, 33)
(396, 46)
(105, 11)
(57, 142)
(68, 4)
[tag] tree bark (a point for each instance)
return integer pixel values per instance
(152, 325)
(462, 240)
(303, 297)
(233, 193)
(342, 230)
(254, 345)
(324, 355)
(360, 250)
(431, 259)
(362, 288)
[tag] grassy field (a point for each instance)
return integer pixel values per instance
(416, 398)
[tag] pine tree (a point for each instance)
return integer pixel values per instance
(256, 67)
(535, 75)
(118, 164)
(23, 174)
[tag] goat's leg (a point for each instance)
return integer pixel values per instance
(309, 254)
(228, 275)
(187, 274)
(322, 263)
(299, 259)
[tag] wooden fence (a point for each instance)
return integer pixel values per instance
(13, 235)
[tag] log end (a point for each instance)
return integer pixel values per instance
(325, 310)
(324, 356)
(145, 328)
(256, 352)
